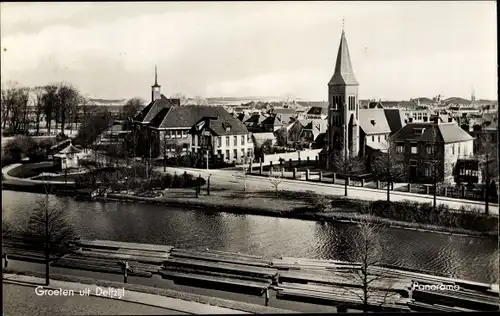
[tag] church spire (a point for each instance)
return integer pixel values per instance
(156, 78)
(344, 75)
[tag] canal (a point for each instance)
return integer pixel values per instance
(470, 258)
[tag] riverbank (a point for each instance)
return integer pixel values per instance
(288, 204)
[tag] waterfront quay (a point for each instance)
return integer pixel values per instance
(318, 282)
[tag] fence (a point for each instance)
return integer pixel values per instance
(302, 155)
(365, 180)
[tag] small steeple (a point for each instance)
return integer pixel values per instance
(156, 79)
(344, 75)
(156, 88)
(473, 95)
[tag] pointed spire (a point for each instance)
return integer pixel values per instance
(344, 75)
(156, 78)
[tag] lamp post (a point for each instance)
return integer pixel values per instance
(208, 184)
(244, 178)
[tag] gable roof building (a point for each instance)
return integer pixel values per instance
(373, 121)
(424, 132)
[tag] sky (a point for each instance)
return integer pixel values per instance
(399, 50)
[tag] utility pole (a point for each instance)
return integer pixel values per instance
(207, 159)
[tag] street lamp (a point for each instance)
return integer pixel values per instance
(244, 178)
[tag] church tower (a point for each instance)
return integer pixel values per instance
(155, 89)
(343, 114)
(473, 95)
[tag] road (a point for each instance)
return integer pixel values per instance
(158, 282)
(233, 179)
(21, 300)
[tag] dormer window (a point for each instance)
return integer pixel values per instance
(373, 122)
(419, 131)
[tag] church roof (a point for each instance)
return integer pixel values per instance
(344, 75)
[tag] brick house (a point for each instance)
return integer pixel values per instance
(423, 144)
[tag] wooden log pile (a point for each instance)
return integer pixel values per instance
(218, 269)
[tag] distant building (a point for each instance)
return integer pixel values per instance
(317, 112)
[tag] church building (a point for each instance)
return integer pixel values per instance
(352, 131)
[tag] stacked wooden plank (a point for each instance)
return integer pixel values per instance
(344, 279)
(220, 270)
(341, 296)
(109, 244)
(107, 256)
(301, 263)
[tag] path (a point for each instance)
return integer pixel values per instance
(25, 286)
(231, 179)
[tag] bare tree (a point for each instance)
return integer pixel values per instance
(183, 100)
(275, 179)
(131, 107)
(389, 166)
(439, 169)
(50, 105)
(486, 152)
(200, 100)
(68, 97)
(368, 282)
(347, 164)
(49, 228)
(38, 99)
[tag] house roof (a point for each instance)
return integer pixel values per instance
(261, 138)
(393, 105)
(287, 111)
(255, 119)
(423, 100)
(457, 100)
(344, 74)
(243, 117)
(188, 115)
(321, 104)
(278, 120)
(318, 111)
(221, 126)
(317, 125)
(445, 132)
(373, 121)
(395, 119)
(147, 114)
(69, 150)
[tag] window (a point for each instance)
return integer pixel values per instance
(235, 143)
(242, 140)
(385, 137)
(452, 149)
(427, 170)
(429, 149)
(184, 134)
(194, 140)
(379, 138)
(227, 154)
(168, 134)
(249, 139)
(235, 154)
(184, 147)
(219, 141)
(414, 149)
(227, 142)
(399, 148)
(243, 153)
(373, 138)
(249, 152)
(419, 116)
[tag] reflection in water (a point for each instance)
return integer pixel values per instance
(455, 256)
